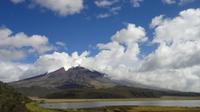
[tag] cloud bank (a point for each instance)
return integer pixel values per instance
(175, 64)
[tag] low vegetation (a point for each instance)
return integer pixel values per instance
(34, 107)
(10, 100)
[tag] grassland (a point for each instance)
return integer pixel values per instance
(33, 107)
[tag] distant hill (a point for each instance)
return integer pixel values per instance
(79, 82)
(10, 100)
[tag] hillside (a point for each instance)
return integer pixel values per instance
(79, 82)
(10, 100)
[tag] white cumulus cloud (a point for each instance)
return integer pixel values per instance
(178, 51)
(61, 7)
(11, 71)
(17, 46)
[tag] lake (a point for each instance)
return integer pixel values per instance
(81, 105)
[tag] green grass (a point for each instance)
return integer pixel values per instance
(33, 107)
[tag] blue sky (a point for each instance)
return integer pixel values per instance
(152, 42)
(83, 30)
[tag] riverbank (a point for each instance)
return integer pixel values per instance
(34, 107)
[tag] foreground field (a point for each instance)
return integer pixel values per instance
(33, 107)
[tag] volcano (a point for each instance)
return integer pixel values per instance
(80, 82)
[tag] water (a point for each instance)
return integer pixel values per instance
(179, 103)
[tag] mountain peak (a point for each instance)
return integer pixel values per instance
(77, 68)
(82, 71)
